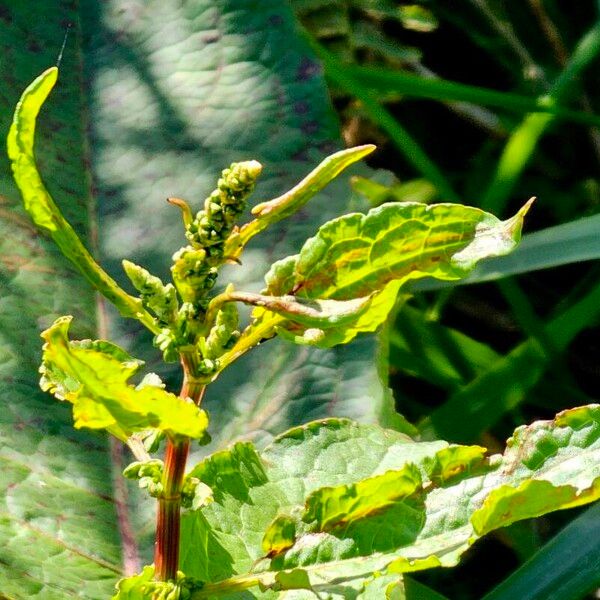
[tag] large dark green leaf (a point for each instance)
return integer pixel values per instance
(173, 104)
(173, 93)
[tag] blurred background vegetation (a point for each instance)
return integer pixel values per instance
(451, 94)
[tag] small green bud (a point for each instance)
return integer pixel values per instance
(161, 299)
(149, 475)
(167, 344)
(190, 273)
(208, 366)
(225, 328)
(195, 494)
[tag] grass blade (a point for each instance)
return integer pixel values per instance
(479, 405)
(566, 568)
(409, 84)
(521, 144)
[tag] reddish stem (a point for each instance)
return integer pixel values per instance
(166, 546)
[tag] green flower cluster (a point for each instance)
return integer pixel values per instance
(214, 224)
(194, 272)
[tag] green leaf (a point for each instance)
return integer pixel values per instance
(42, 208)
(356, 254)
(339, 501)
(379, 306)
(333, 507)
(275, 210)
(95, 382)
(501, 387)
(55, 481)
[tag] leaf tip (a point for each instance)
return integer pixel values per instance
(514, 225)
(366, 149)
(60, 325)
(525, 208)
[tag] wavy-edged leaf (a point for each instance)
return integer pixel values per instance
(358, 255)
(333, 507)
(389, 504)
(94, 380)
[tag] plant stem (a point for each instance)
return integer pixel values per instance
(166, 546)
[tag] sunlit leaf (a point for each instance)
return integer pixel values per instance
(42, 208)
(338, 501)
(357, 255)
(93, 377)
(279, 208)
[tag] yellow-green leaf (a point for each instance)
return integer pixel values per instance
(287, 204)
(93, 377)
(357, 254)
(331, 507)
(373, 255)
(42, 208)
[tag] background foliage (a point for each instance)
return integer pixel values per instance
(156, 97)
